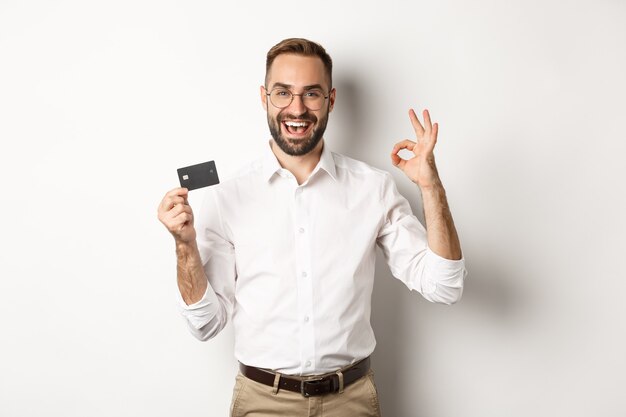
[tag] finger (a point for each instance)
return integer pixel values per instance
(427, 123)
(169, 202)
(177, 224)
(182, 218)
(417, 126)
(178, 201)
(397, 161)
(176, 210)
(432, 139)
(405, 144)
(176, 192)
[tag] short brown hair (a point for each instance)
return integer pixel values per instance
(300, 46)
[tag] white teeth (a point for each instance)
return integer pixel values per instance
(296, 124)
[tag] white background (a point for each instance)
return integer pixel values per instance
(100, 102)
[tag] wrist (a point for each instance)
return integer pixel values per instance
(433, 187)
(186, 249)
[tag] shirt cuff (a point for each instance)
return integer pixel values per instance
(443, 272)
(201, 312)
(444, 262)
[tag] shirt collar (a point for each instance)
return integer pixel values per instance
(271, 165)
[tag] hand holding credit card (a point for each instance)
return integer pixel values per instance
(198, 176)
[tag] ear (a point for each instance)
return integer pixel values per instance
(263, 97)
(331, 99)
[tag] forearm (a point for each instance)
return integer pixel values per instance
(441, 233)
(192, 281)
(206, 312)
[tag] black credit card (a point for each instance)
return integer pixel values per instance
(198, 176)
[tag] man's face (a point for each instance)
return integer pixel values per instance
(295, 128)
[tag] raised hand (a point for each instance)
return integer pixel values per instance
(420, 168)
(175, 213)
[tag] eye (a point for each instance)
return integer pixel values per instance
(281, 93)
(313, 94)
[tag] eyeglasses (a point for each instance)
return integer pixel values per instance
(282, 97)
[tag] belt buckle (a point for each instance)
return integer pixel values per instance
(308, 381)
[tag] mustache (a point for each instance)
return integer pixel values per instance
(306, 117)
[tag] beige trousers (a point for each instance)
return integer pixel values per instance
(252, 399)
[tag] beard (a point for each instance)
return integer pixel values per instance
(297, 147)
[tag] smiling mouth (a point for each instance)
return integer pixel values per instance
(297, 128)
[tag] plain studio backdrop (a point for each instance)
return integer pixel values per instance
(100, 102)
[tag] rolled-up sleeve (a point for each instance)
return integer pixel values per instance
(207, 317)
(403, 241)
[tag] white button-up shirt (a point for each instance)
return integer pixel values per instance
(293, 265)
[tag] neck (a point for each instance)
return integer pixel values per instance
(300, 166)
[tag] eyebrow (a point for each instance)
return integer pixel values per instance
(306, 87)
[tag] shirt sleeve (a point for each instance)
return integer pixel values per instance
(403, 241)
(208, 316)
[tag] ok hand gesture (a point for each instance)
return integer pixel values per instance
(421, 168)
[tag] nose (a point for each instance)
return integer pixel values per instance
(297, 106)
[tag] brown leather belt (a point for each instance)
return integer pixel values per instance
(308, 386)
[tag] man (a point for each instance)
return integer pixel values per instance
(286, 249)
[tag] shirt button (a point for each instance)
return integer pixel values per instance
(304, 274)
(306, 319)
(308, 364)
(301, 230)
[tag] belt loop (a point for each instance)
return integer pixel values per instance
(340, 375)
(276, 381)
